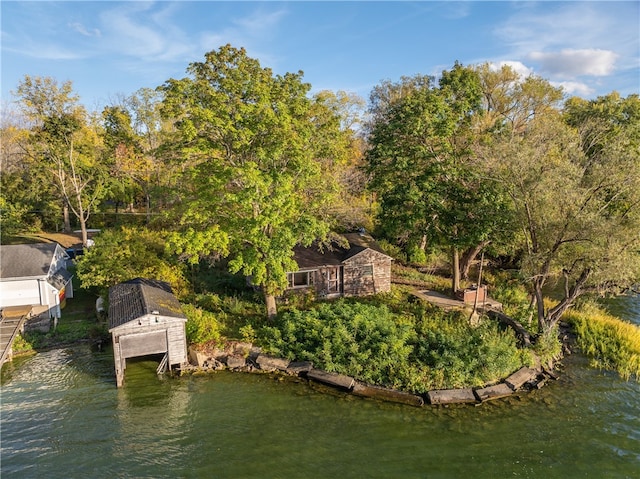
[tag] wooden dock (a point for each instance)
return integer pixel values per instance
(11, 324)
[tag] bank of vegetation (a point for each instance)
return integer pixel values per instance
(232, 166)
(610, 343)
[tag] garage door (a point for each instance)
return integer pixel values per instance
(143, 344)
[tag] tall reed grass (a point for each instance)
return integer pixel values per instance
(610, 342)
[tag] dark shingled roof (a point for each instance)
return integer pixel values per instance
(335, 254)
(26, 260)
(138, 297)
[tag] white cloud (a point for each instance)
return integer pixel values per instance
(574, 88)
(570, 63)
(143, 31)
(551, 26)
(519, 67)
(45, 52)
(259, 23)
(131, 36)
(82, 30)
(249, 32)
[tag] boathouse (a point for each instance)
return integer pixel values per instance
(145, 318)
(356, 266)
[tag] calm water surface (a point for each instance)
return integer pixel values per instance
(63, 417)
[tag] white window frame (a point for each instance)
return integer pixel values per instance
(310, 279)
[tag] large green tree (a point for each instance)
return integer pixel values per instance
(64, 143)
(134, 134)
(575, 189)
(420, 165)
(127, 253)
(250, 149)
(18, 191)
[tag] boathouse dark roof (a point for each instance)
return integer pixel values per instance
(138, 297)
(335, 254)
(26, 260)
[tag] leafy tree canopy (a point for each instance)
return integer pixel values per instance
(251, 143)
(128, 253)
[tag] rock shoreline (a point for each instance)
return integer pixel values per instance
(244, 357)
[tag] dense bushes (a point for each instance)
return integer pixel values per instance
(361, 340)
(418, 351)
(202, 326)
(450, 353)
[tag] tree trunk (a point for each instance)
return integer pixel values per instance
(148, 206)
(423, 243)
(83, 221)
(270, 301)
(537, 291)
(468, 257)
(571, 295)
(65, 215)
(455, 270)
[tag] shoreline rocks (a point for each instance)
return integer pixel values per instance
(244, 357)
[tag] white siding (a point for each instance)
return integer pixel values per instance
(19, 293)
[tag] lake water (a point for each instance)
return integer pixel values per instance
(63, 417)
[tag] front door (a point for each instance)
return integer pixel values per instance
(334, 280)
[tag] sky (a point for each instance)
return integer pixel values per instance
(109, 49)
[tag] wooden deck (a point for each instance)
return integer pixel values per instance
(10, 324)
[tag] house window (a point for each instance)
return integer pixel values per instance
(300, 279)
(367, 270)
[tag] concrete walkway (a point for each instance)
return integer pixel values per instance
(447, 302)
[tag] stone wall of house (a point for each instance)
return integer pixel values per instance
(368, 272)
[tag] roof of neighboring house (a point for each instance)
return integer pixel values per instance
(138, 297)
(60, 279)
(26, 260)
(335, 254)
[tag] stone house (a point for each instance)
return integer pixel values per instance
(356, 268)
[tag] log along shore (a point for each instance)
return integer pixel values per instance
(240, 356)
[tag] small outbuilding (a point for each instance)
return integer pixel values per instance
(145, 318)
(355, 267)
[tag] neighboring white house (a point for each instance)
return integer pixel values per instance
(35, 275)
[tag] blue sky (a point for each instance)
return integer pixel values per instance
(112, 48)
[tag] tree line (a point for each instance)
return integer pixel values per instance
(233, 161)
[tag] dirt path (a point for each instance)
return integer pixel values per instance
(66, 240)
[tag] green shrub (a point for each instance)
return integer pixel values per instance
(420, 349)
(248, 334)
(202, 326)
(361, 340)
(417, 255)
(23, 344)
(453, 354)
(516, 302)
(547, 346)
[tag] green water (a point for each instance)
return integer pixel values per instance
(63, 417)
